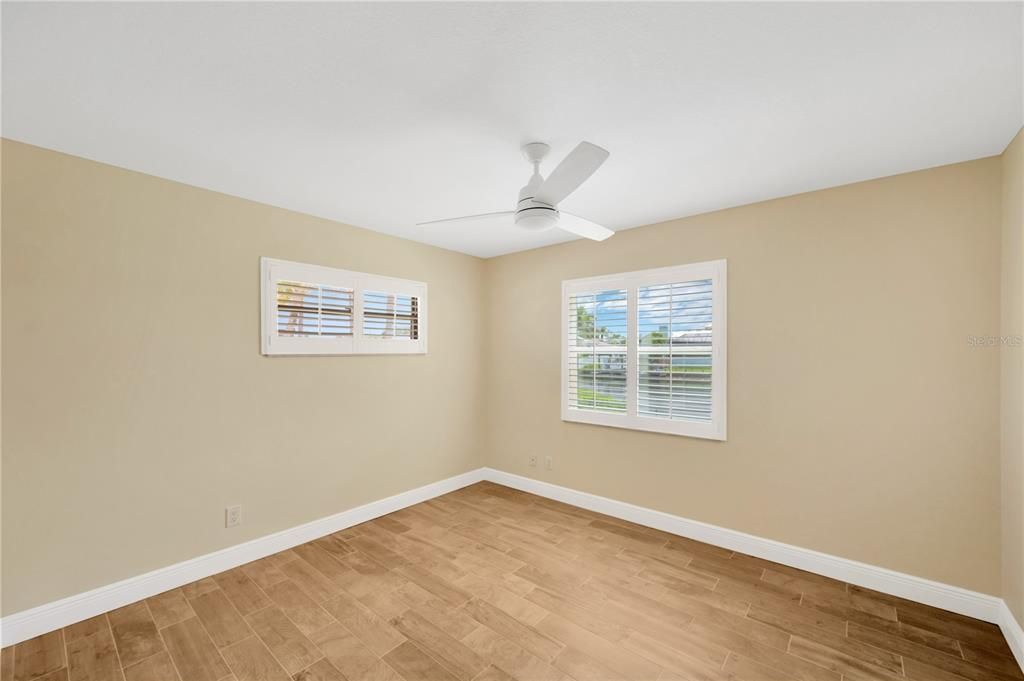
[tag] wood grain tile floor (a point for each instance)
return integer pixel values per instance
(491, 584)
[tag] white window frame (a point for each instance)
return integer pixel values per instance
(715, 270)
(273, 270)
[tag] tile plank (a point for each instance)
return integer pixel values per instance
(169, 608)
(493, 673)
(334, 545)
(320, 671)
(193, 652)
(376, 633)
(459, 660)
(264, 572)
(85, 628)
(221, 619)
(624, 662)
(992, 660)
(286, 643)
(529, 638)
(38, 656)
(838, 659)
(154, 668)
(510, 657)
(931, 657)
(199, 587)
(135, 633)
(94, 658)
(7, 664)
(241, 591)
(444, 590)
(415, 665)
(310, 580)
(307, 615)
(251, 661)
(581, 666)
(345, 651)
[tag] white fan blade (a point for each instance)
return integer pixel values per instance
(470, 218)
(573, 171)
(583, 227)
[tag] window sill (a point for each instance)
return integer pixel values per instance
(704, 431)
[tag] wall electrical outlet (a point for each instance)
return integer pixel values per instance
(533, 461)
(232, 516)
(548, 463)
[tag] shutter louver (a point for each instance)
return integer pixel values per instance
(305, 310)
(674, 331)
(598, 330)
(390, 316)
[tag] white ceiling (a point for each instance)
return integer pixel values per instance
(382, 115)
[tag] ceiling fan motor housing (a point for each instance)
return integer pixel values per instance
(534, 215)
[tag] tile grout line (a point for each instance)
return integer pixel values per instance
(64, 647)
(64, 643)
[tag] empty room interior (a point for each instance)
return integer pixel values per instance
(512, 341)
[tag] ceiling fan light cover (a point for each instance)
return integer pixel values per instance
(536, 220)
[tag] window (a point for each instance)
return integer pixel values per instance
(314, 310)
(646, 350)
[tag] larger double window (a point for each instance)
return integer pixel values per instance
(646, 350)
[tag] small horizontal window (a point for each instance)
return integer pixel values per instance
(315, 310)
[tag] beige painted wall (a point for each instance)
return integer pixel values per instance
(1012, 421)
(861, 421)
(136, 402)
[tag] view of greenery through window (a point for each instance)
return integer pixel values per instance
(598, 332)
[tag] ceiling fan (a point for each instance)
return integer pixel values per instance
(537, 208)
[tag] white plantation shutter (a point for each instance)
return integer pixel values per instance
(306, 309)
(314, 310)
(388, 315)
(597, 351)
(674, 361)
(646, 350)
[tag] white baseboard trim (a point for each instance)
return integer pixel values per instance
(970, 603)
(39, 620)
(1014, 634)
(26, 624)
